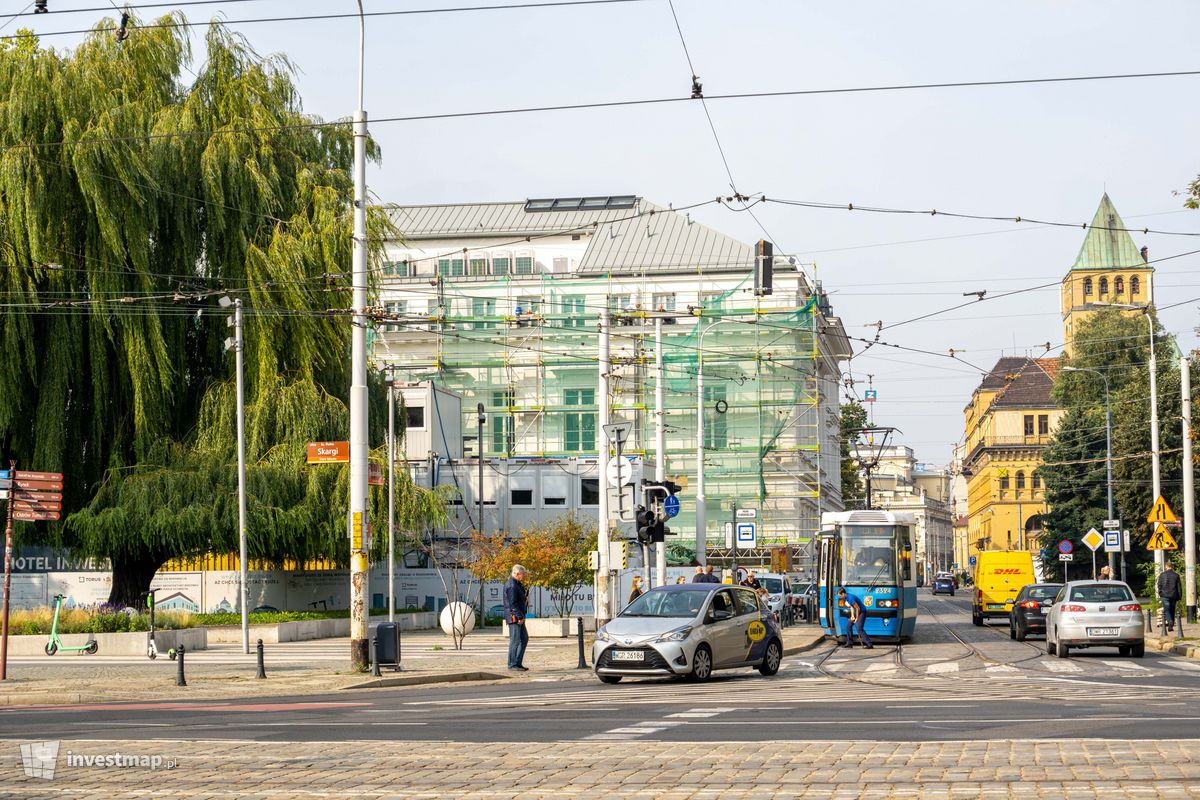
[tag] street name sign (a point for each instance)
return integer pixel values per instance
(35, 516)
(1093, 539)
(38, 485)
(1161, 512)
(328, 453)
(1111, 524)
(1161, 539)
(746, 513)
(1066, 557)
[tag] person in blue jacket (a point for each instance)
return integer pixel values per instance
(858, 618)
(516, 605)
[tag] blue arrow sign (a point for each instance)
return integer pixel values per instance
(671, 505)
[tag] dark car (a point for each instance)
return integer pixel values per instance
(943, 584)
(1029, 609)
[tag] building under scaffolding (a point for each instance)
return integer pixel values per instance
(500, 304)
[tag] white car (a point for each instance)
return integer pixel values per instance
(1095, 614)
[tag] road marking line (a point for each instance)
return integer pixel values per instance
(881, 668)
(692, 715)
(1125, 665)
(945, 666)
(1061, 666)
(1002, 668)
(638, 730)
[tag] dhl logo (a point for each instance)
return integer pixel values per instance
(1007, 571)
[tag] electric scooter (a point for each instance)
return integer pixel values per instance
(55, 644)
(151, 646)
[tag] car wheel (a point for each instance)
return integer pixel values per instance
(976, 619)
(701, 664)
(773, 658)
(1049, 644)
(1139, 650)
(609, 678)
(1022, 634)
(1012, 630)
(1063, 651)
(952, 593)
(1124, 650)
(51, 648)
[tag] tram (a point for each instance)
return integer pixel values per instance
(870, 553)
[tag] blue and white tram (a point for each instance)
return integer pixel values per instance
(870, 553)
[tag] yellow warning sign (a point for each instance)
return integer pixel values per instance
(756, 631)
(1161, 512)
(1161, 539)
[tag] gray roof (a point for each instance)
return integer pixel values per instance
(646, 237)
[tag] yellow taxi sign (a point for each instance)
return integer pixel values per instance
(1161, 539)
(1161, 511)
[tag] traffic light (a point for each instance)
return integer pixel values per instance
(764, 267)
(645, 524)
(672, 487)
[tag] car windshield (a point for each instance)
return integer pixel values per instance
(666, 604)
(1100, 593)
(772, 585)
(868, 557)
(1043, 592)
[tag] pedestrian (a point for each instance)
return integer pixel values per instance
(708, 575)
(857, 620)
(681, 579)
(516, 605)
(699, 576)
(1168, 592)
(1106, 573)
(636, 591)
(751, 582)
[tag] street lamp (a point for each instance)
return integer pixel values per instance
(701, 499)
(1108, 457)
(234, 343)
(481, 418)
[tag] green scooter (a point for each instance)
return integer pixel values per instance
(151, 646)
(55, 644)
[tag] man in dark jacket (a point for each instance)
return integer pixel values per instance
(516, 604)
(1169, 592)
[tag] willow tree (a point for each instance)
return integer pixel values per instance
(132, 196)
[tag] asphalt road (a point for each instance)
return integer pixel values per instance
(953, 682)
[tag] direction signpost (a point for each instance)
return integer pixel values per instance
(1093, 539)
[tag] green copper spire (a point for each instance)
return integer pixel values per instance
(1104, 248)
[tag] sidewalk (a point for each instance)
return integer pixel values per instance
(299, 668)
(1188, 647)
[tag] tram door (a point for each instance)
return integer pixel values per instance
(828, 579)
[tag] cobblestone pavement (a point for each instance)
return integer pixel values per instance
(990, 769)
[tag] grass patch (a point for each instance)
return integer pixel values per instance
(101, 619)
(273, 617)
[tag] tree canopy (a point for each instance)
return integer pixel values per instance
(852, 419)
(132, 196)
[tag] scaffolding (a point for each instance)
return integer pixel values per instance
(526, 346)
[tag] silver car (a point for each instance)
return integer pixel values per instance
(688, 629)
(1095, 614)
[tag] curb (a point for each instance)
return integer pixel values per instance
(420, 680)
(803, 648)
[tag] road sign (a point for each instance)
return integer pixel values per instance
(972, 560)
(729, 534)
(20, 494)
(747, 533)
(1065, 546)
(48, 486)
(1161, 539)
(4, 475)
(25, 505)
(1066, 557)
(328, 453)
(671, 505)
(746, 513)
(1093, 539)
(5, 483)
(1112, 524)
(35, 516)
(1112, 541)
(619, 471)
(1161, 512)
(3, 494)
(618, 432)
(38, 476)
(374, 474)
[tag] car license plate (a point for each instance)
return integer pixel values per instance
(1103, 631)
(628, 655)
(1045, 610)
(995, 605)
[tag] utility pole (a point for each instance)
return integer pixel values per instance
(8, 554)
(480, 418)
(243, 567)
(602, 606)
(660, 441)
(1189, 490)
(1157, 471)
(391, 582)
(359, 524)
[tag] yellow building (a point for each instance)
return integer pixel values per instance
(1011, 416)
(1009, 422)
(1109, 270)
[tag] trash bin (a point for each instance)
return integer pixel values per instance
(388, 649)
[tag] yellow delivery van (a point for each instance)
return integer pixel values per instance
(999, 576)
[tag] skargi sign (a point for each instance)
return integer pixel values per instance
(328, 453)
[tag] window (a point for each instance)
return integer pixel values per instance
(747, 601)
(395, 309)
(1004, 481)
(443, 267)
(521, 497)
(1103, 286)
(400, 269)
(414, 417)
(722, 601)
(664, 301)
(524, 265)
(1029, 424)
(456, 267)
(1021, 479)
(554, 490)
(1135, 286)
(481, 309)
(1087, 286)
(1119, 285)
(572, 309)
(1037, 481)
(716, 425)
(579, 427)
(589, 491)
(1100, 593)
(502, 422)
(1043, 424)
(619, 302)
(478, 265)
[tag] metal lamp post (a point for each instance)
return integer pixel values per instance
(482, 417)
(701, 498)
(1108, 457)
(234, 343)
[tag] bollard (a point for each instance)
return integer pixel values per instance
(375, 658)
(262, 672)
(179, 679)
(582, 660)
(1149, 623)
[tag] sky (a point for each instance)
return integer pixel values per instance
(1043, 151)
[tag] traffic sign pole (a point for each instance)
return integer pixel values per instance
(8, 550)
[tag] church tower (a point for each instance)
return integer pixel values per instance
(1109, 270)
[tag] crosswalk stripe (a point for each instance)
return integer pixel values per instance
(1125, 665)
(942, 667)
(1061, 666)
